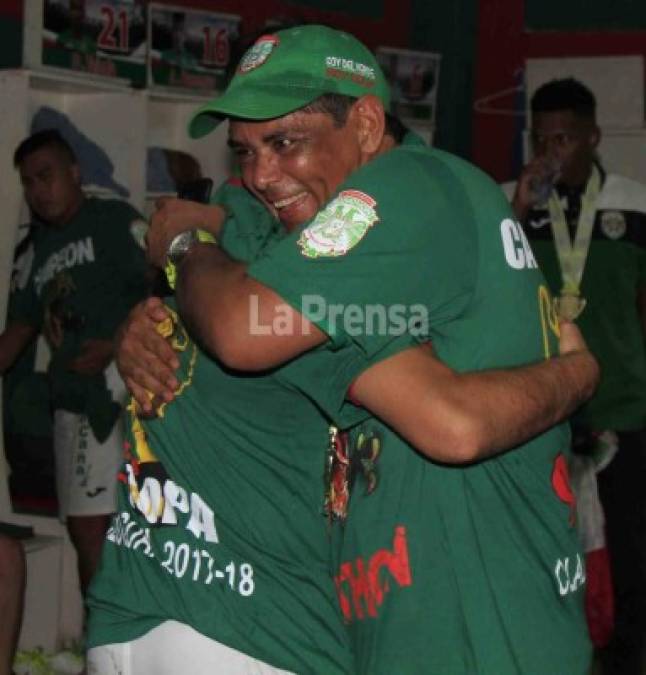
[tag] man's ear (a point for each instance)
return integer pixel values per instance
(370, 120)
(76, 173)
(595, 137)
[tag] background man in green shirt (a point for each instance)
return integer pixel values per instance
(86, 274)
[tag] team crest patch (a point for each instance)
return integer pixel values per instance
(258, 53)
(613, 224)
(340, 226)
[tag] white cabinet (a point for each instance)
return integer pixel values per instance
(111, 127)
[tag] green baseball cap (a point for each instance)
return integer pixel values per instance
(288, 69)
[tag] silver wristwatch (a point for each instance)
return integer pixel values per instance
(179, 246)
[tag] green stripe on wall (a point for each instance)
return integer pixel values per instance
(11, 41)
(574, 15)
(373, 9)
(449, 28)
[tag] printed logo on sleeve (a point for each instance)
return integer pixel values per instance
(341, 225)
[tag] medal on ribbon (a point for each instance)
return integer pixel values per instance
(569, 306)
(573, 254)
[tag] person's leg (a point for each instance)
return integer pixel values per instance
(86, 479)
(12, 592)
(621, 488)
(87, 534)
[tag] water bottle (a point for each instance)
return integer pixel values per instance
(541, 185)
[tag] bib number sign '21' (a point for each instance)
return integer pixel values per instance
(190, 49)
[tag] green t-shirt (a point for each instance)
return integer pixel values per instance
(25, 393)
(219, 521)
(85, 276)
(442, 570)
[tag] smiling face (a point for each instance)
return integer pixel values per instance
(294, 164)
(52, 184)
(568, 137)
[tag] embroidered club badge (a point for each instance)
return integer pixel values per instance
(613, 224)
(258, 53)
(340, 226)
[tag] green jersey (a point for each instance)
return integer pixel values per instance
(219, 522)
(85, 277)
(25, 393)
(440, 569)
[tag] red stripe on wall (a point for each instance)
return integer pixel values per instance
(393, 29)
(11, 9)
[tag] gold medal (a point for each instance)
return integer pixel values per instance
(568, 306)
(573, 253)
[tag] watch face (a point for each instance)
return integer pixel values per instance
(180, 245)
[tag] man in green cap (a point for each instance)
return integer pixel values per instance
(464, 542)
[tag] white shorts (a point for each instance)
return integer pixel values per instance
(86, 470)
(174, 648)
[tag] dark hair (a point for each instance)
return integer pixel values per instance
(566, 94)
(43, 139)
(338, 106)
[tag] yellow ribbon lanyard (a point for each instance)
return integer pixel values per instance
(572, 254)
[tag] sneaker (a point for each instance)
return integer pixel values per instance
(32, 662)
(67, 662)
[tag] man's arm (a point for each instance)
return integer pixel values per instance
(12, 596)
(230, 313)
(173, 216)
(145, 361)
(13, 340)
(464, 417)
(448, 416)
(641, 309)
(236, 318)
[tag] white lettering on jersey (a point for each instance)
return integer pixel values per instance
(162, 503)
(518, 252)
(569, 580)
(75, 253)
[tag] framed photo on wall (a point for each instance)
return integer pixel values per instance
(99, 38)
(189, 48)
(414, 78)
